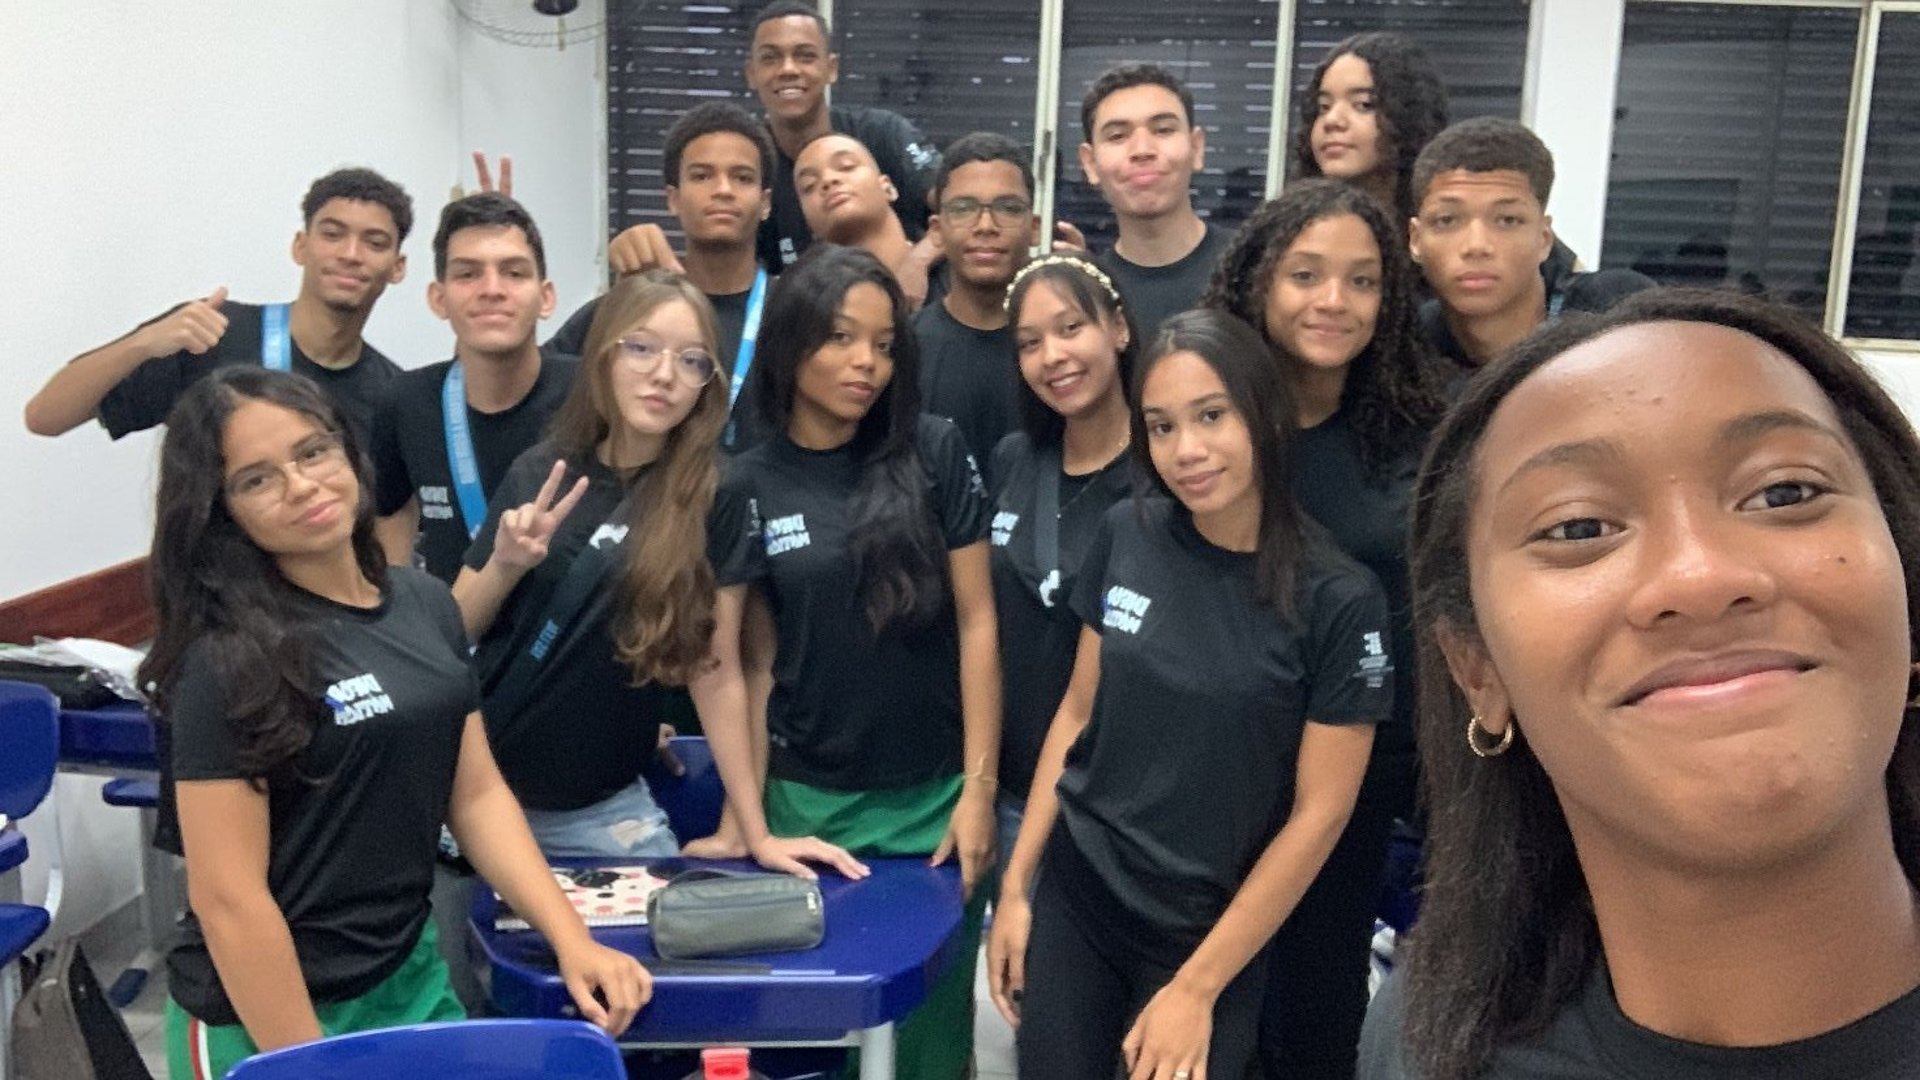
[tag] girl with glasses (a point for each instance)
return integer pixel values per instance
(611, 565)
(320, 725)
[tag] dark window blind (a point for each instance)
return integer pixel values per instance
(1479, 46)
(1883, 294)
(663, 59)
(951, 69)
(1223, 49)
(1729, 128)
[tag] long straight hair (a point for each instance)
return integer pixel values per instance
(1395, 387)
(1507, 933)
(1253, 383)
(898, 556)
(663, 628)
(212, 584)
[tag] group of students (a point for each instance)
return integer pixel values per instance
(1090, 573)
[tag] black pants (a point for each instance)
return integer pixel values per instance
(1317, 994)
(1089, 973)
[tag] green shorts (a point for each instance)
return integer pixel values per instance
(418, 991)
(935, 1042)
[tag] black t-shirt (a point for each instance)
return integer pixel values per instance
(1567, 290)
(349, 859)
(144, 398)
(905, 156)
(1368, 517)
(410, 451)
(1591, 1039)
(745, 429)
(1186, 771)
(730, 309)
(582, 730)
(852, 710)
(970, 377)
(1038, 640)
(1151, 293)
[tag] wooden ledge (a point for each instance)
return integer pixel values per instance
(114, 604)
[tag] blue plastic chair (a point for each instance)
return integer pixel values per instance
(692, 801)
(30, 736)
(469, 1049)
(29, 753)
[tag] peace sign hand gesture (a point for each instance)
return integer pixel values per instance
(524, 532)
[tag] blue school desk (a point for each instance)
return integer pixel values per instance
(889, 939)
(117, 741)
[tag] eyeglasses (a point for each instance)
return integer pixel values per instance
(642, 356)
(1007, 211)
(316, 458)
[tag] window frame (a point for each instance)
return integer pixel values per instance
(1846, 216)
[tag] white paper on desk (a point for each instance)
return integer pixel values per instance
(117, 665)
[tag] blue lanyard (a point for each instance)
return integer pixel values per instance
(276, 350)
(461, 460)
(743, 360)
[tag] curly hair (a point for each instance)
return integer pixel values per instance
(360, 185)
(1395, 388)
(1411, 107)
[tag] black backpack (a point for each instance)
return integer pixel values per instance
(64, 1028)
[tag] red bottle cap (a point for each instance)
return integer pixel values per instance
(725, 1063)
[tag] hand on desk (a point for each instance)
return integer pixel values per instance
(589, 968)
(790, 855)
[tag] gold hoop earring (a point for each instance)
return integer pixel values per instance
(1476, 743)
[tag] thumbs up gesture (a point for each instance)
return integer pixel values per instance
(193, 327)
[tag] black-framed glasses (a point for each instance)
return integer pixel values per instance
(1007, 211)
(642, 354)
(316, 458)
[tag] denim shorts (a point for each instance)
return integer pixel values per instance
(626, 824)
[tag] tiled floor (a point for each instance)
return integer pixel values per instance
(110, 947)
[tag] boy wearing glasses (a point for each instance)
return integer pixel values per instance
(446, 434)
(986, 225)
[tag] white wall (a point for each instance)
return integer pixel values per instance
(160, 149)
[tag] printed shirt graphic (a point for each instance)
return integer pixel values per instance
(353, 825)
(583, 730)
(1039, 633)
(1204, 686)
(852, 710)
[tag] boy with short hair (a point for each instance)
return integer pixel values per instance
(354, 221)
(1141, 151)
(1484, 241)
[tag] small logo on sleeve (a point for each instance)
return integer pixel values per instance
(784, 534)
(1123, 609)
(356, 699)
(975, 482)
(1374, 664)
(1003, 523)
(607, 536)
